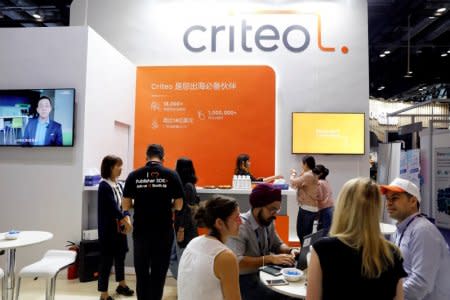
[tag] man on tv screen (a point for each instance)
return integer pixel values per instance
(41, 131)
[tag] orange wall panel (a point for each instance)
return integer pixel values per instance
(209, 114)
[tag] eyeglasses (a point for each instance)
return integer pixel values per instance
(273, 210)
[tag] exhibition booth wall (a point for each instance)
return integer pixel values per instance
(42, 188)
(318, 51)
(315, 70)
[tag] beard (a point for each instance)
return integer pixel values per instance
(265, 222)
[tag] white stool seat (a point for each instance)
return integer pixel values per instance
(52, 262)
(48, 267)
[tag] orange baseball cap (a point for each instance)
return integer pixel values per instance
(401, 185)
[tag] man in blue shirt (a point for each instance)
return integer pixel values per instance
(425, 252)
(42, 131)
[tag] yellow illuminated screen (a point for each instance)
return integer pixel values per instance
(328, 133)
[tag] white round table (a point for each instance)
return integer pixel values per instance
(295, 289)
(25, 238)
(387, 229)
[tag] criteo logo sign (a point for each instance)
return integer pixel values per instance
(267, 38)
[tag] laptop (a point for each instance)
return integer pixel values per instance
(308, 241)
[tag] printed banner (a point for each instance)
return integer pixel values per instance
(210, 114)
(442, 186)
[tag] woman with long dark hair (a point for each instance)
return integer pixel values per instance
(186, 171)
(113, 242)
(243, 168)
(308, 194)
(208, 268)
(325, 202)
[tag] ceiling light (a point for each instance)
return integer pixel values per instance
(381, 88)
(382, 55)
(36, 16)
(441, 10)
(444, 54)
(437, 14)
(432, 17)
(387, 52)
(448, 51)
(408, 65)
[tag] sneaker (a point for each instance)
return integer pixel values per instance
(126, 291)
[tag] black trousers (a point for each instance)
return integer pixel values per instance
(106, 262)
(151, 262)
(253, 289)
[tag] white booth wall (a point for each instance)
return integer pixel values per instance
(42, 188)
(150, 33)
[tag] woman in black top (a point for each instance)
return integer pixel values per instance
(113, 243)
(186, 171)
(356, 261)
(243, 168)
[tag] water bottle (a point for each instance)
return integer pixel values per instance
(248, 182)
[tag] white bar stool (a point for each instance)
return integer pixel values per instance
(1, 278)
(48, 267)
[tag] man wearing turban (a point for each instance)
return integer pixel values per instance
(259, 244)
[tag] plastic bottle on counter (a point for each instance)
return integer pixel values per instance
(245, 182)
(235, 178)
(240, 182)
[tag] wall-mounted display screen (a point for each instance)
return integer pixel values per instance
(327, 133)
(37, 117)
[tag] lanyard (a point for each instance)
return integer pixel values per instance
(262, 241)
(406, 227)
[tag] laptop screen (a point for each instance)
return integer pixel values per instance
(309, 240)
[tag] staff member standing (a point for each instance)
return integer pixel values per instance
(308, 195)
(153, 188)
(113, 243)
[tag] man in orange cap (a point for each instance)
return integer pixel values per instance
(425, 252)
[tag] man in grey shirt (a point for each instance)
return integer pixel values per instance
(258, 243)
(426, 254)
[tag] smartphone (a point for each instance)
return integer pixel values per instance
(272, 270)
(277, 281)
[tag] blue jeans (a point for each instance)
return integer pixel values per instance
(325, 218)
(305, 222)
(175, 258)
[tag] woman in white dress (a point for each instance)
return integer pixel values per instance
(208, 269)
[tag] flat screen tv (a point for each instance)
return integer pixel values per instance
(37, 117)
(328, 133)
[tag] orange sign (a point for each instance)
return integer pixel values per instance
(210, 114)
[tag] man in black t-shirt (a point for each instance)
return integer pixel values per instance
(155, 190)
